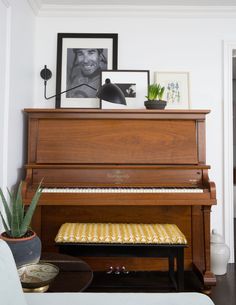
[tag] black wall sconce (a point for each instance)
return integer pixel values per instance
(108, 92)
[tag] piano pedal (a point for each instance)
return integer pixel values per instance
(124, 270)
(117, 270)
(111, 270)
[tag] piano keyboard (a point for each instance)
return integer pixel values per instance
(122, 190)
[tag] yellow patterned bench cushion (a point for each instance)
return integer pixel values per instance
(124, 233)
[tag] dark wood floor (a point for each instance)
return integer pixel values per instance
(140, 282)
(224, 293)
(225, 290)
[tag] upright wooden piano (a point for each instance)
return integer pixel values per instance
(142, 166)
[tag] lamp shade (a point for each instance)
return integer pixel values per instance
(111, 93)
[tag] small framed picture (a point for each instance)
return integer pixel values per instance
(134, 85)
(80, 59)
(176, 89)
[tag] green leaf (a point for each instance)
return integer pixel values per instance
(15, 225)
(6, 208)
(29, 214)
(19, 203)
(5, 225)
(155, 92)
(11, 196)
(161, 92)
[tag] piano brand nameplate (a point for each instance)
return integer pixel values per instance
(118, 177)
(116, 141)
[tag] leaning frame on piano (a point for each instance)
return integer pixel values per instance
(71, 148)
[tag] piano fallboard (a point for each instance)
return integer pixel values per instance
(117, 175)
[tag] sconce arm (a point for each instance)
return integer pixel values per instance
(49, 97)
(46, 74)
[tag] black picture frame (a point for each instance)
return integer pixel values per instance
(69, 49)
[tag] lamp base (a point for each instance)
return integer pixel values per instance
(45, 73)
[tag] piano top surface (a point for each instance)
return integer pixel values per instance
(92, 110)
(185, 114)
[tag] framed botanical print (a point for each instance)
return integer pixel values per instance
(176, 89)
(133, 84)
(80, 60)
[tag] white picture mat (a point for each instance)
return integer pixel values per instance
(140, 78)
(182, 79)
(91, 43)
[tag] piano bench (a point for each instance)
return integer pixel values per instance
(126, 240)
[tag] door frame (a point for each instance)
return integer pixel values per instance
(228, 185)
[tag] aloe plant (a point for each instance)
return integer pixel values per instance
(17, 221)
(155, 92)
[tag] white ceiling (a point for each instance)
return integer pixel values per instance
(188, 8)
(139, 2)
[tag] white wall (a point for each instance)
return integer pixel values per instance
(4, 38)
(16, 85)
(20, 84)
(194, 45)
(4, 16)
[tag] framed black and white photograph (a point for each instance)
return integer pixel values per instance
(133, 84)
(80, 60)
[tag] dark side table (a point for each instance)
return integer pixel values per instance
(75, 275)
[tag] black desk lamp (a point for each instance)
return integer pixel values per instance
(108, 92)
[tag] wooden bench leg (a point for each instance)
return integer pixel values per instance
(180, 269)
(171, 269)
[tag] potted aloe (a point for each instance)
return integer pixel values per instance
(23, 242)
(155, 95)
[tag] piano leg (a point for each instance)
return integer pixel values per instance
(201, 245)
(209, 277)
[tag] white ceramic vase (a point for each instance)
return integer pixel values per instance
(219, 254)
